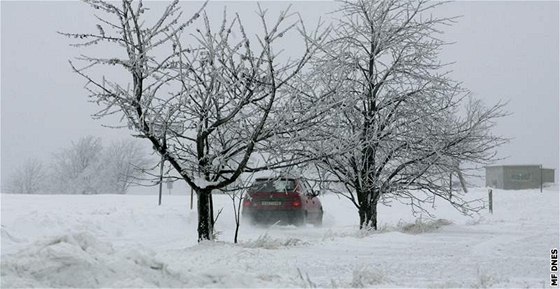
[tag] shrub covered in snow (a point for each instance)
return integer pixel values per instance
(423, 226)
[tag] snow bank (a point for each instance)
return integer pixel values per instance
(80, 260)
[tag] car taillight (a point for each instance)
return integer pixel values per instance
(296, 203)
(247, 203)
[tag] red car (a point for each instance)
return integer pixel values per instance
(285, 200)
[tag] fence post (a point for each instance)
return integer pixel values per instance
(490, 208)
(541, 177)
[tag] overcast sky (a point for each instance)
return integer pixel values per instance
(503, 51)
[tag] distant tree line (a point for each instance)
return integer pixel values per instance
(85, 167)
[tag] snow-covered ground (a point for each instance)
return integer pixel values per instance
(128, 241)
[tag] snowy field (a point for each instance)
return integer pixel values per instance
(122, 241)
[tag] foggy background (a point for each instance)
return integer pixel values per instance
(502, 51)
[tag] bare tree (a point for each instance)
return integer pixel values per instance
(122, 163)
(237, 196)
(213, 107)
(405, 124)
(75, 168)
(29, 178)
(86, 167)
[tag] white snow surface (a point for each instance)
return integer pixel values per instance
(120, 241)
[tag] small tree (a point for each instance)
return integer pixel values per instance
(404, 125)
(29, 178)
(214, 107)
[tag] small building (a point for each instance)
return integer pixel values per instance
(518, 177)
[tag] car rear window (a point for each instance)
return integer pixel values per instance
(273, 186)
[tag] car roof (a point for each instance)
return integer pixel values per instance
(276, 178)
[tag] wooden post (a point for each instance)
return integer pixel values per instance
(490, 207)
(541, 177)
(160, 179)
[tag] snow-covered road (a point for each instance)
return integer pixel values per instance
(128, 241)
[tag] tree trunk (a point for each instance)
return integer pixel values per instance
(368, 210)
(237, 212)
(211, 202)
(373, 215)
(236, 231)
(363, 215)
(205, 216)
(364, 208)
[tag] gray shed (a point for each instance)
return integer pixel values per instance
(518, 177)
